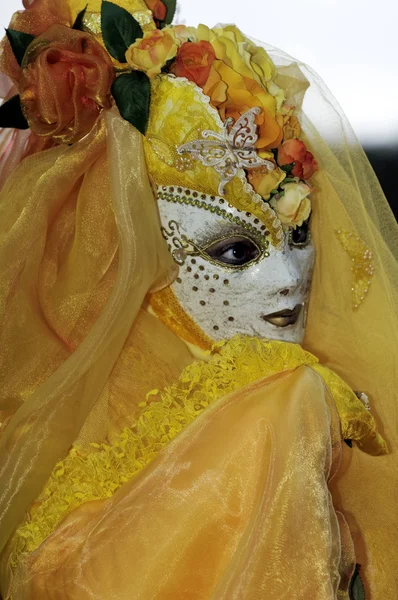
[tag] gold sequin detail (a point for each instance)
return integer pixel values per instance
(92, 20)
(362, 265)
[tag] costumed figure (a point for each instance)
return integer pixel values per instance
(198, 300)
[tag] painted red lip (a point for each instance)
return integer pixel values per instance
(283, 318)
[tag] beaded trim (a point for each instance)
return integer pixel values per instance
(362, 265)
(189, 197)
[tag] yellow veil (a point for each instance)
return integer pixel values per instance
(80, 249)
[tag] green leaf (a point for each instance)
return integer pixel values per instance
(288, 168)
(19, 43)
(11, 115)
(356, 590)
(171, 6)
(132, 93)
(166, 68)
(78, 24)
(119, 30)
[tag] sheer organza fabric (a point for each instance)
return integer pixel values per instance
(229, 527)
(77, 259)
(81, 248)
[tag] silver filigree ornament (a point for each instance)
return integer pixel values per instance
(231, 150)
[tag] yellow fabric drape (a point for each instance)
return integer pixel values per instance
(237, 506)
(95, 471)
(80, 247)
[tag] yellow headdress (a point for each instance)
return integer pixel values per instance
(178, 85)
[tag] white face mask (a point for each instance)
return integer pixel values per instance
(232, 280)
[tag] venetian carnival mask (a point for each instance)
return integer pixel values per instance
(231, 278)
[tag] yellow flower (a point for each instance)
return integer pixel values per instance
(294, 206)
(185, 34)
(150, 53)
(236, 51)
(264, 181)
(291, 124)
(233, 95)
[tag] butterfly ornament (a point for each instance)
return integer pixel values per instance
(231, 150)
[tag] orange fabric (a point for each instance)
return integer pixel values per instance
(65, 82)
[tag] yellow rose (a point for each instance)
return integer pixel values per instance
(231, 46)
(233, 95)
(150, 53)
(291, 124)
(185, 34)
(264, 181)
(236, 51)
(294, 207)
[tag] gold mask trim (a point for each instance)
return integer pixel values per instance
(167, 308)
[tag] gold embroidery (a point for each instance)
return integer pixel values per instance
(362, 265)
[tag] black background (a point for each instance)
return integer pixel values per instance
(385, 163)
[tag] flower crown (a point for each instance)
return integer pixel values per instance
(72, 71)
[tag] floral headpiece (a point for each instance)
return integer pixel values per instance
(68, 73)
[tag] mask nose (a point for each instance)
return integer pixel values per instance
(289, 275)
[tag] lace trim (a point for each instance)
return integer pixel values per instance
(82, 477)
(183, 82)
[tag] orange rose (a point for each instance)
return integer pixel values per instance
(294, 151)
(65, 82)
(152, 52)
(194, 62)
(158, 9)
(233, 95)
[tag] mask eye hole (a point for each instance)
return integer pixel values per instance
(300, 236)
(233, 251)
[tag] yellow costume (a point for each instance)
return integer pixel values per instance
(128, 469)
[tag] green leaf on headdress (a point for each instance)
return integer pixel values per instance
(78, 24)
(19, 43)
(171, 6)
(166, 68)
(119, 30)
(132, 93)
(288, 168)
(11, 115)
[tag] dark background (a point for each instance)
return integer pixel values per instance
(384, 161)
